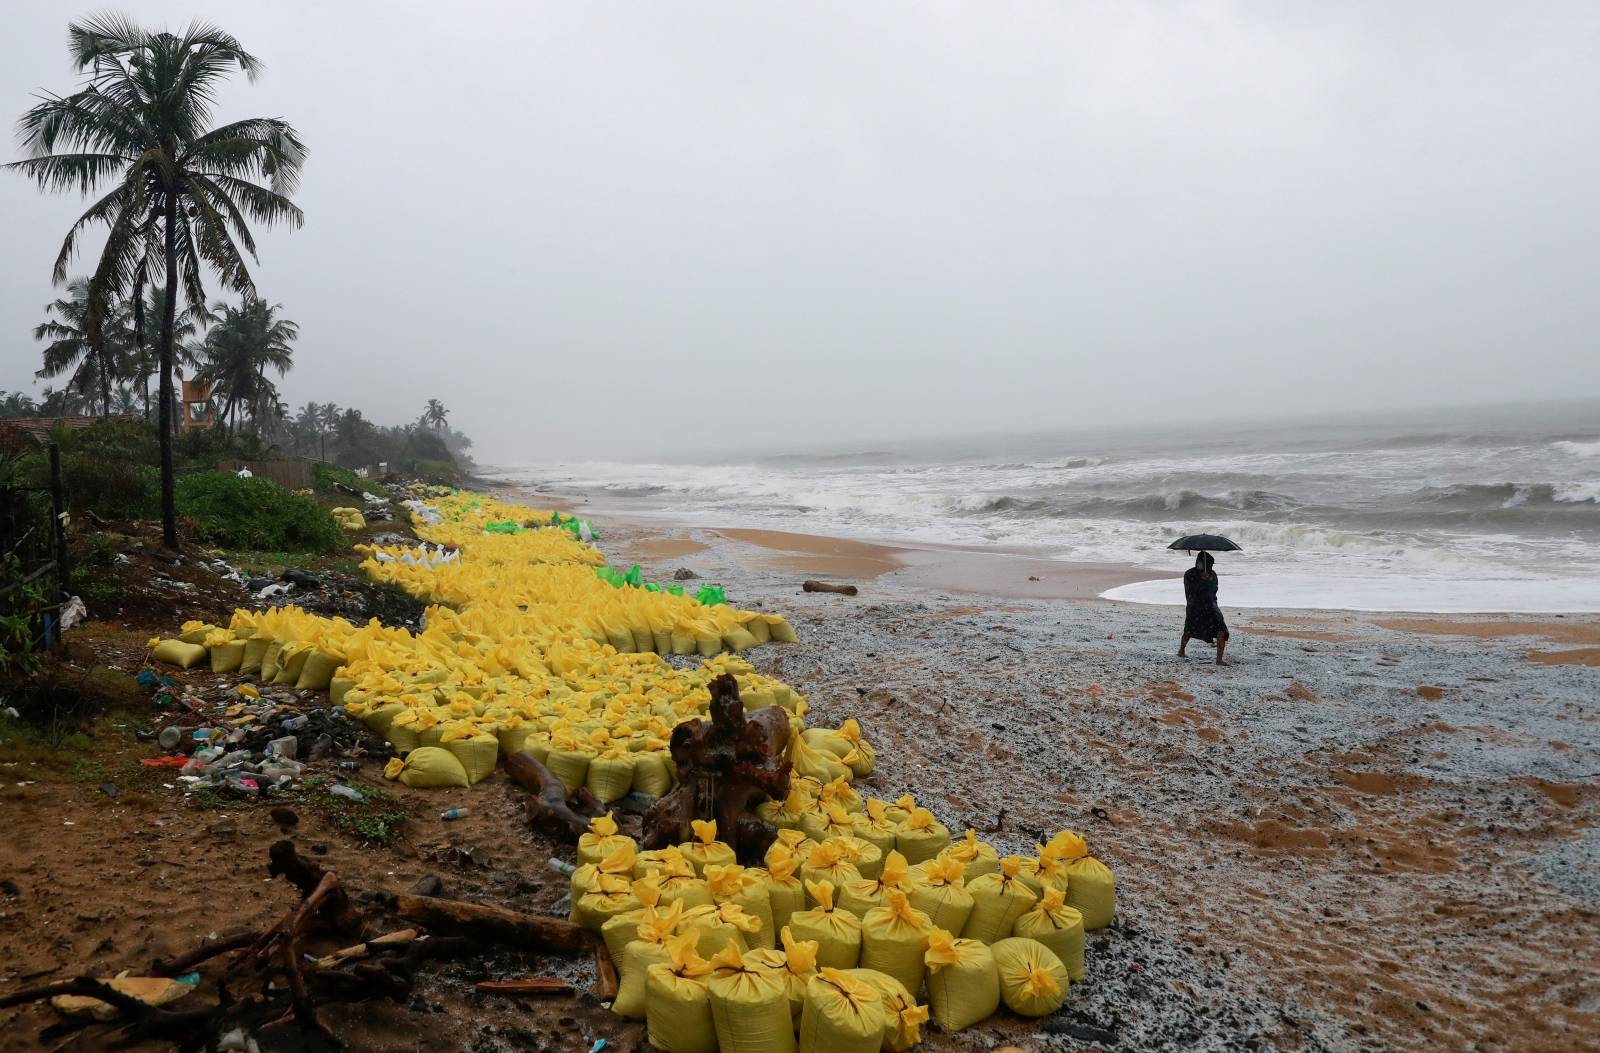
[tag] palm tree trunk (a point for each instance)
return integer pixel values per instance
(105, 385)
(169, 492)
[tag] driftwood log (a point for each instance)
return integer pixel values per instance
(824, 586)
(557, 813)
(726, 766)
(487, 924)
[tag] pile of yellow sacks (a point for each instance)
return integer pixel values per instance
(348, 518)
(838, 935)
(524, 649)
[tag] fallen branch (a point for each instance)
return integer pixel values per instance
(496, 925)
(823, 586)
(533, 985)
(554, 811)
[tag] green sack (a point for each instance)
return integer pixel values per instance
(634, 577)
(710, 595)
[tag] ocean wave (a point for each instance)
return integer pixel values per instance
(1158, 505)
(1578, 449)
(1488, 496)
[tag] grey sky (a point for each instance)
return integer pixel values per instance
(625, 229)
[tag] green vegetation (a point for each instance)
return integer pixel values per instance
(326, 475)
(256, 514)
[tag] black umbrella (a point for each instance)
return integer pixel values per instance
(1205, 543)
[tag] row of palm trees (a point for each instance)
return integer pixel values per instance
(111, 369)
(176, 197)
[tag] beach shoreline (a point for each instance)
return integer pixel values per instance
(1359, 800)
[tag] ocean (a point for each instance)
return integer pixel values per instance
(1487, 509)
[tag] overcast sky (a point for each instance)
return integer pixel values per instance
(626, 229)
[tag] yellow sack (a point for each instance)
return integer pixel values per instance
(842, 1014)
(977, 858)
(1091, 887)
(903, 1017)
(1057, 926)
(428, 766)
(734, 884)
(677, 1004)
(860, 757)
(963, 983)
(705, 848)
(874, 827)
(612, 895)
(826, 865)
(1033, 982)
(610, 775)
(795, 964)
(715, 927)
(894, 939)
(176, 652)
(379, 717)
(814, 763)
(863, 855)
(269, 660)
(785, 893)
(255, 648)
(939, 891)
(602, 839)
(338, 688)
(863, 894)
(476, 750)
(650, 774)
(513, 735)
(998, 900)
(585, 879)
(225, 657)
(795, 843)
(787, 813)
(291, 660)
(647, 923)
(839, 791)
(633, 973)
(317, 673)
(837, 932)
(571, 766)
(921, 836)
(749, 1006)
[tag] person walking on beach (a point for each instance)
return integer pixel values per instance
(1202, 618)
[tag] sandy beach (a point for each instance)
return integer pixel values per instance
(1369, 832)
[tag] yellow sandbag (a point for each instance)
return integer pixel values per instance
(816, 764)
(787, 813)
(602, 839)
(317, 672)
(863, 855)
(378, 718)
(780, 629)
(610, 775)
(586, 878)
(939, 891)
(963, 983)
(842, 1014)
(513, 735)
(786, 894)
(402, 732)
(894, 938)
(705, 848)
(749, 1006)
(176, 652)
(269, 661)
(197, 631)
(646, 923)
(476, 750)
(612, 895)
(863, 894)
(998, 900)
(1091, 887)
(794, 842)
(734, 884)
(903, 1017)
(152, 991)
(428, 766)
(1057, 926)
(837, 933)
(874, 827)
(571, 766)
(225, 657)
(715, 927)
(633, 975)
(291, 660)
(977, 858)
(650, 775)
(921, 836)
(826, 865)
(677, 1003)
(795, 963)
(254, 649)
(1033, 982)
(339, 689)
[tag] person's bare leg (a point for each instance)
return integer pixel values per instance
(1183, 643)
(1222, 645)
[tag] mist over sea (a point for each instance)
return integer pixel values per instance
(1488, 509)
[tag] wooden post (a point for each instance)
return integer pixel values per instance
(58, 525)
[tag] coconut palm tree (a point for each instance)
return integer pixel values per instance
(182, 194)
(243, 344)
(15, 404)
(93, 362)
(435, 414)
(144, 357)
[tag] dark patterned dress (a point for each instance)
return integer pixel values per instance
(1203, 618)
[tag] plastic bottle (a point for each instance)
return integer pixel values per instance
(452, 813)
(347, 792)
(561, 866)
